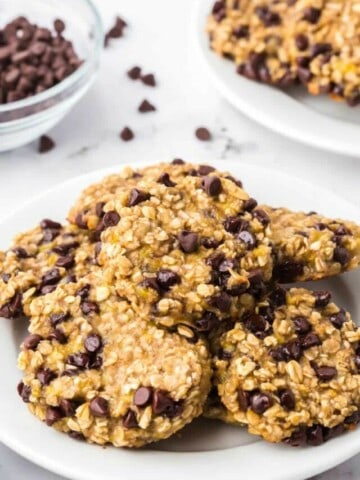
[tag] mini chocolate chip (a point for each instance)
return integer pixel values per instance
(260, 402)
(163, 404)
(58, 336)
(189, 241)
(301, 324)
(111, 219)
(342, 256)
(314, 435)
(167, 279)
(146, 107)
(222, 301)
(93, 343)
(255, 323)
(53, 414)
(126, 134)
(45, 375)
(287, 399)
(80, 360)
(243, 398)
(129, 420)
(99, 407)
(149, 80)
(289, 271)
(241, 31)
(301, 42)
(278, 296)
(248, 238)
(56, 318)
(322, 298)
(24, 391)
(32, 341)
(311, 14)
(310, 340)
(51, 277)
(211, 185)
(134, 73)
(65, 262)
(203, 134)
(20, 252)
(250, 204)
(45, 144)
(166, 180)
(88, 307)
(262, 216)
(137, 196)
(207, 322)
(292, 350)
(338, 319)
(324, 373)
(143, 396)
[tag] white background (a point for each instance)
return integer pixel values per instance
(158, 40)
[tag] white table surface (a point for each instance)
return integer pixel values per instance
(158, 40)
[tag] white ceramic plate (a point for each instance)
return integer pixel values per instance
(317, 121)
(205, 449)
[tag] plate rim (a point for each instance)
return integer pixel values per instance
(349, 448)
(289, 127)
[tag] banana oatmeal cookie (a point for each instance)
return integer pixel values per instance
(289, 370)
(280, 42)
(97, 370)
(308, 246)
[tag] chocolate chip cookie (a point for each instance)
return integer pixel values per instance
(289, 370)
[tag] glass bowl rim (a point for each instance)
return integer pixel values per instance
(82, 71)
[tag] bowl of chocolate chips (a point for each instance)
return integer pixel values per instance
(49, 57)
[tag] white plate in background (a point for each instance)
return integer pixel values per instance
(314, 120)
(206, 449)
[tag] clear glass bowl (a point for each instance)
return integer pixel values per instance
(25, 120)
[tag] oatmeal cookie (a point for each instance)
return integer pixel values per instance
(99, 371)
(187, 244)
(289, 370)
(310, 247)
(38, 260)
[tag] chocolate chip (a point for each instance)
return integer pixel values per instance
(243, 399)
(304, 74)
(149, 80)
(268, 17)
(322, 298)
(257, 286)
(314, 435)
(50, 224)
(56, 318)
(151, 282)
(80, 221)
(287, 399)
(289, 271)
(32, 341)
(235, 224)
(178, 161)
(207, 322)
(167, 279)
(83, 292)
(111, 219)
(53, 415)
(68, 407)
(45, 144)
(241, 31)
(255, 323)
(137, 196)
(352, 419)
(262, 216)
(342, 256)
(205, 170)
(301, 42)
(301, 324)
(203, 134)
(88, 307)
(126, 134)
(248, 238)
(58, 336)
(189, 241)
(292, 350)
(311, 14)
(310, 340)
(5, 277)
(166, 180)
(232, 179)
(250, 204)
(163, 404)
(146, 106)
(211, 185)
(24, 391)
(260, 402)
(93, 343)
(129, 420)
(99, 407)
(210, 242)
(47, 289)
(51, 277)
(143, 396)
(59, 25)
(116, 31)
(298, 438)
(65, 262)
(222, 301)
(80, 360)
(320, 48)
(215, 259)
(324, 373)
(12, 308)
(224, 354)
(303, 61)
(134, 73)
(45, 375)
(338, 319)
(20, 252)
(278, 296)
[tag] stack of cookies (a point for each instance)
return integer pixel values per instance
(285, 42)
(162, 299)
